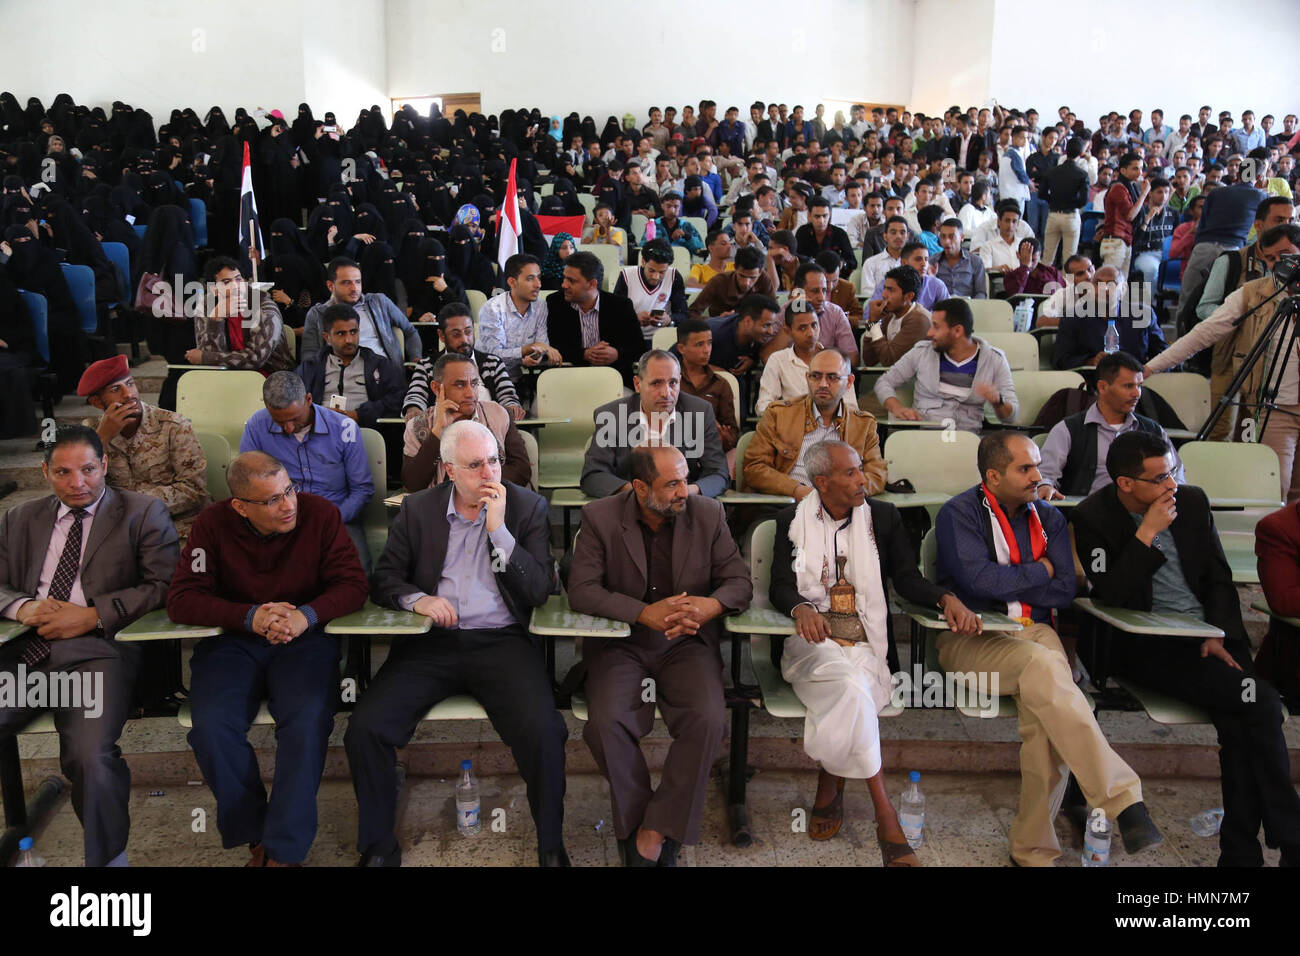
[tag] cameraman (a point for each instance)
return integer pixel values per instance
(1233, 340)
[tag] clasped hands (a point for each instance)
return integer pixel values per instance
(57, 620)
(680, 614)
(279, 622)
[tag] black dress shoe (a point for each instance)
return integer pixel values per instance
(631, 855)
(668, 854)
(556, 857)
(1138, 829)
(376, 859)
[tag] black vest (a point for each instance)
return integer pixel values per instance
(1081, 463)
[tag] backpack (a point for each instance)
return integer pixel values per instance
(1063, 403)
(1186, 318)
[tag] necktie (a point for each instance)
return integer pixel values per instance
(37, 649)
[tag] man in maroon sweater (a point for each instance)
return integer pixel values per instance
(272, 567)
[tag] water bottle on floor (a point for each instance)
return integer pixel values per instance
(1096, 840)
(1207, 822)
(911, 814)
(25, 855)
(467, 802)
(1111, 342)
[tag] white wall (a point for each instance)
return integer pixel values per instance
(604, 58)
(1128, 54)
(951, 47)
(146, 52)
(344, 58)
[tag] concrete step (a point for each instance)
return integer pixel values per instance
(15, 498)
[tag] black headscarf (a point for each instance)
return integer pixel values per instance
(168, 245)
(466, 262)
(378, 269)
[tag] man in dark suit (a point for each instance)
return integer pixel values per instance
(662, 560)
(75, 598)
(968, 140)
(687, 423)
(844, 684)
(1149, 544)
(473, 555)
(369, 384)
(591, 327)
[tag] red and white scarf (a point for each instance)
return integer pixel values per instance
(1007, 549)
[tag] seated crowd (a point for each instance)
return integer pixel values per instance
(848, 248)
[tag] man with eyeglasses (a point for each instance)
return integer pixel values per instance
(774, 460)
(1153, 547)
(474, 556)
(271, 566)
(321, 449)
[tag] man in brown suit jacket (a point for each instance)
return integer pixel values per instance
(774, 459)
(663, 561)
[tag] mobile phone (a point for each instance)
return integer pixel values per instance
(657, 312)
(339, 403)
(331, 129)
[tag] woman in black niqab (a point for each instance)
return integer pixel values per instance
(36, 269)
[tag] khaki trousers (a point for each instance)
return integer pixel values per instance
(1282, 434)
(1058, 733)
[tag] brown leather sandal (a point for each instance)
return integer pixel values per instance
(896, 854)
(831, 816)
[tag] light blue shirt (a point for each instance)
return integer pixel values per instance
(932, 291)
(503, 331)
(467, 581)
(330, 462)
(1247, 141)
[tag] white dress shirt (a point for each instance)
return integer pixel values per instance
(874, 269)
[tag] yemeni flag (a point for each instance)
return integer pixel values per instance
(552, 226)
(250, 229)
(508, 230)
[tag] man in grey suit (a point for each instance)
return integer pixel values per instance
(472, 554)
(75, 598)
(662, 560)
(658, 414)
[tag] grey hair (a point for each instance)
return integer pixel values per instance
(643, 362)
(282, 389)
(817, 461)
(457, 432)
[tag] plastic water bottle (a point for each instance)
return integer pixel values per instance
(912, 812)
(1024, 315)
(1112, 338)
(650, 230)
(467, 802)
(25, 855)
(1207, 822)
(1096, 840)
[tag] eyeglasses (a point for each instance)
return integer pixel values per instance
(479, 463)
(1157, 480)
(271, 502)
(830, 378)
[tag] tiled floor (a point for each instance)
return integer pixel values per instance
(966, 825)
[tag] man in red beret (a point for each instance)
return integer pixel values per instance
(149, 449)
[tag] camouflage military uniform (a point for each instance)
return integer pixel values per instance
(162, 459)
